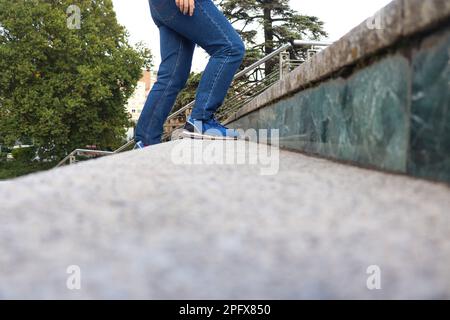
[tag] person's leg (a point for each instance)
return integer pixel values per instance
(210, 29)
(176, 56)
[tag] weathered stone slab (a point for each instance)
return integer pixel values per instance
(140, 226)
(430, 110)
(420, 15)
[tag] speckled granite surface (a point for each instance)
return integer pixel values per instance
(140, 226)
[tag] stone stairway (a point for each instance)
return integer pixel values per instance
(172, 222)
(143, 225)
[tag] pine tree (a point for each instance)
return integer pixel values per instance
(272, 20)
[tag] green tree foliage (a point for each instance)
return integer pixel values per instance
(65, 87)
(187, 95)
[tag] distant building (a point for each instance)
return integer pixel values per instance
(137, 100)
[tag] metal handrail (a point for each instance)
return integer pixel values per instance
(295, 43)
(77, 151)
(125, 146)
(303, 43)
(256, 88)
(239, 75)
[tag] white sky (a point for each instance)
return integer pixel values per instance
(339, 16)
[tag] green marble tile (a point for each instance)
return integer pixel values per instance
(329, 126)
(363, 119)
(430, 111)
(378, 115)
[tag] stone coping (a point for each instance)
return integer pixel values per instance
(145, 224)
(399, 19)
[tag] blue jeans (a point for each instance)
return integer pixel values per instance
(179, 33)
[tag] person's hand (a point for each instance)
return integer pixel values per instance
(186, 6)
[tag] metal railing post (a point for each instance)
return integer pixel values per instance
(284, 63)
(281, 65)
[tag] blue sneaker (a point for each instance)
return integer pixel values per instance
(139, 145)
(208, 129)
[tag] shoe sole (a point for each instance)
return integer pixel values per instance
(198, 136)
